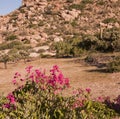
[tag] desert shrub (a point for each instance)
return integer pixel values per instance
(68, 48)
(40, 96)
(48, 10)
(114, 66)
(80, 6)
(76, 49)
(32, 26)
(110, 41)
(74, 23)
(22, 47)
(62, 49)
(14, 55)
(24, 54)
(5, 58)
(22, 10)
(89, 59)
(76, 52)
(87, 1)
(101, 2)
(11, 37)
(10, 45)
(110, 20)
(115, 37)
(69, 1)
(89, 42)
(41, 23)
(15, 43)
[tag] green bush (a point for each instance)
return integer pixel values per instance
(80, 6)
(11, 37)
(114, 66)
(5, 58)
(89, 42)
(48, 10)
(24, 54)
(111, 40)
(63, 49)
(10, 45)
(110, 20)
(14, 55)
(76, 52)
(101, 2)
(74, 23)
(87, 1)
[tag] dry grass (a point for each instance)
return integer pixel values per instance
(80, 76)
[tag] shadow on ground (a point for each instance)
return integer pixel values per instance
(100, 70)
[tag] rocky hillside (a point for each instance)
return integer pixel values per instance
(39, 21)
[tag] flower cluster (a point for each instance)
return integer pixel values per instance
(57, 80)
(16, 76)
(11, 101)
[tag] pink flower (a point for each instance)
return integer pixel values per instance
(55, 67)
(11, 98)
(17, 74)
(28, 69)
(32, 77)
(88, 90)
(100, 99)
(14, 81)
(75, 92)
(37, 80)
(60, 78)
(7, 105)
(38, 73)
(67, 82)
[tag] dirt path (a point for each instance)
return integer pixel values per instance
(80, 76)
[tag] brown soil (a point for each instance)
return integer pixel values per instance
(80, 75)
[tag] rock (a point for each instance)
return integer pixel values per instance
(49, 53)
(34, 54)
(46, 47)
(113, 0)
(117, 25)
(70, 15)
(57, 39)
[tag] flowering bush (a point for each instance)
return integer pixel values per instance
(39, 96)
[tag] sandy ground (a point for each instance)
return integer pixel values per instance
(80, 75)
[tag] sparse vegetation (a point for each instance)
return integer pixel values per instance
(5, 58)
(114, 66)
(110, 20)
(24, 55)
(11, 37)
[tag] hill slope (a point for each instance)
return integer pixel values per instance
(49, 20)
